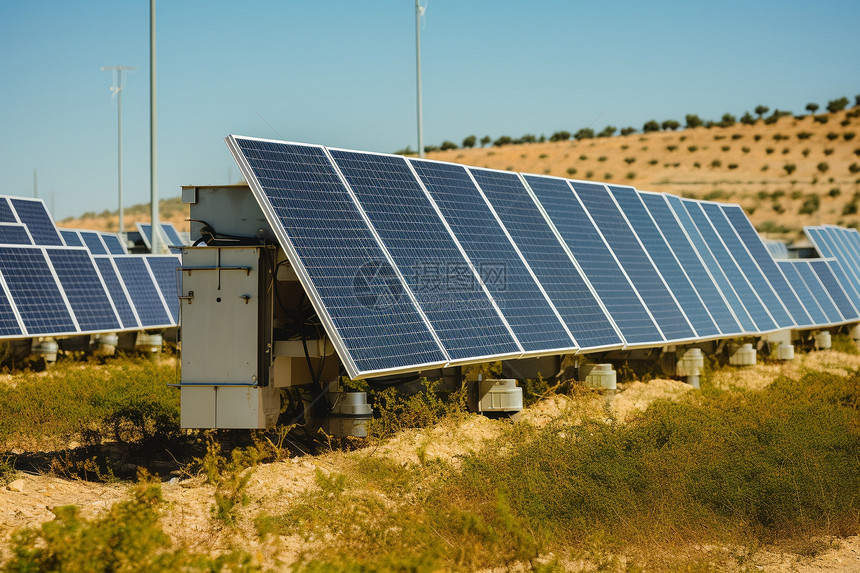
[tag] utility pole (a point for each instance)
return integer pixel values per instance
(419, 11)
(116, 89)
(153, 136)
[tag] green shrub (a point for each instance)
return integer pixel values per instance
(810, 204)
(716, 163)
(854, 168)
(822, 119)
(571, 171)
(804, 135)
(823, 167)
(848, 136)
(789, 168)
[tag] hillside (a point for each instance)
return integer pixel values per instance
(793, 172)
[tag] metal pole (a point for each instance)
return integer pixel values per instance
(119, 157)
(35, 184)
(418, 11)
(153, 135)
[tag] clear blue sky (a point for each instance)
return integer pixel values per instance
(343, 74)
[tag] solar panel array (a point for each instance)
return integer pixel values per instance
(412, 263)
(63, 282)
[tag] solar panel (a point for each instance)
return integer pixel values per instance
(777, 249)
(847, 258)
(117, 292)
(9, 325)
(145, 230)
(356, 292)
(813, 308)
(35, 292)
(825, 271)
(845, 281)
(84, 290)
(458, 308)
(172, 235)
(524, 304)
(757, 251)
(71, 238)
(93, 242)
(595, 259)
(661, 255)
(717, 299)
(33, 214)
(113, 244)
(14, 234)
(759, 313)
(521, 219)
(6, 214)
(616, 232)
(165, 270)
(818, 290)
(143, 291)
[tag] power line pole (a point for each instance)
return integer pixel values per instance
(419, 11)
(116, 89)
(153, 135)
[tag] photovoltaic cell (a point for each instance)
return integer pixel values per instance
(435, 270)
(14, 235)
(734, 274)
(517, 294)
(848, 260)
(165, 270)
(117, 293)
(33, 214)
(595, 259)
(34, 291)
(824, 300)
(634, 260)
(9, 325)
(789, 269)
(84, 290)
(845, 281)
(825, 272)
(6, 214)
(71, 238)
(142, 290)
(542, 251)
(173, 238)
(113, 244)
(710, 293)
(665, 261)
(377, 323)
(93, 242)
(745, 235)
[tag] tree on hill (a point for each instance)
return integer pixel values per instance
(837, 104)
(628, 130)
(670, 125)
(693, 120)
(812, 107)
(485, 140)
(857, 100)
(470, 141)
(560, 136)
(760, 110)
(608, 131)
(503, 140)
(527, 138)
(748, 119)
(584, 133)
(651, 126)
(728, 120)
(446, 145)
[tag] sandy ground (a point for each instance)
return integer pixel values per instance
(273, 486)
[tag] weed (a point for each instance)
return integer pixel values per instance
(230, 478)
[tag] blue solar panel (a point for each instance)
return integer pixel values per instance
(733, 272)
(717, 299)
(14, 235)
(835, 238)
(84, 290)
(542, 251)
(173, 238)
(443, 282)
(33, 214)
(846, 282)
(71, 238)
(34, 291)
(825, 271)
(6, 214)
(165, 270)
(824, 300)
(531, 317)
(595, 259)
(312, 212)
(634, 260)
(117, 293)
(113, 244)
(93, 242)
(9, 325)
(145, 230)
(810, 302)
(665, 261)
(734, 219)
(142, 290)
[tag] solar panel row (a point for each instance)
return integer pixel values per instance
(57, 282)
(412, 263)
